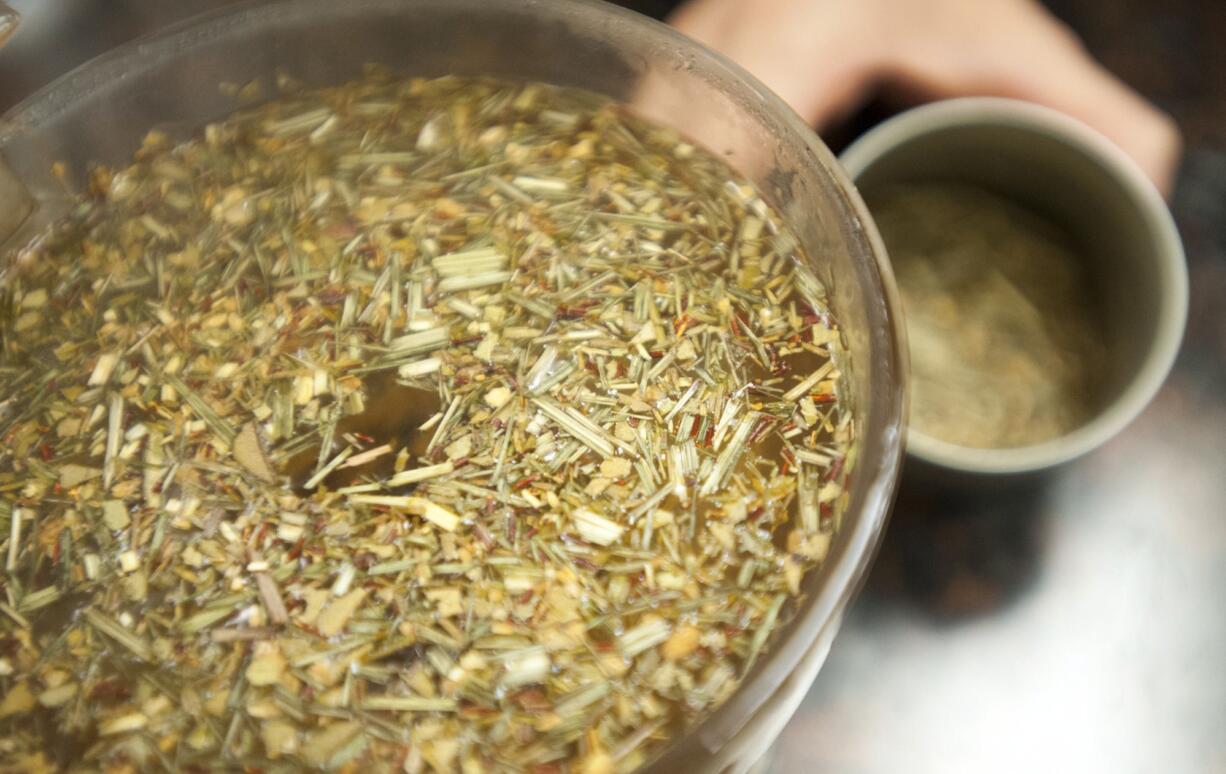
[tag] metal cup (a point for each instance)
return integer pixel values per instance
(1074, 176)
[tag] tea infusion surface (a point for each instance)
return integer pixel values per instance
(429, 424)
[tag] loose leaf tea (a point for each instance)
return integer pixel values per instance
(1005, 347)
(441, 425)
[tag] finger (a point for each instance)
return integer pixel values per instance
(1048, 66)
(1096, 97)
(804, 52)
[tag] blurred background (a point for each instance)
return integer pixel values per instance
(1074, 622)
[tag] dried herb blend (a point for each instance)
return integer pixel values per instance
(1005, 345)
(443, 425)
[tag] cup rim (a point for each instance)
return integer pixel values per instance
(1151, 208)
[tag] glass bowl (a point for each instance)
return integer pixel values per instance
(100, 111)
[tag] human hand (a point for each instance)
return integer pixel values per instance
(827, 57)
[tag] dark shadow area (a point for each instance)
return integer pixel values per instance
(959, 547)
(1199, 205)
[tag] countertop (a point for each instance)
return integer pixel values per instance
(1071, 623)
